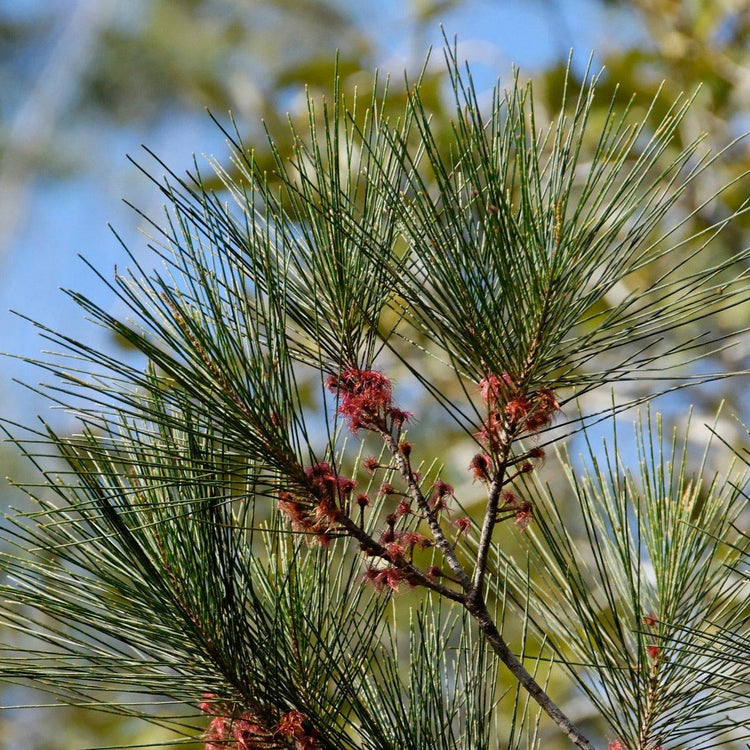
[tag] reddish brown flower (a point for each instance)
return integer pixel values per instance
(517, 408)
(403, 508)
(386, 489)
(395, 551)
(217, 734)
(523, 515)
(493, 431)
(537, 454)
(398, 417)
(496, 389)
(250, 734)
(544, 405)
(509, 499)
(210, 703)
(480, 467)
(411, 539)
(290, 724)
(364, 398)
(318, 513)
(382, 578)
(463, 524)
(292, 727)
(438, 499)
(363, 500)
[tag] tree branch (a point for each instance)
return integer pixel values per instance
(415, 493)
(478, 610)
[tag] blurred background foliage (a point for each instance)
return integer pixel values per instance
(83, 82)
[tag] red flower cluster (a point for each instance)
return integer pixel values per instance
(510, 410)
(291, 726)
(387, 577)
(398, 543)
(441, 491)
(521, 511)
(248, 732)
(399, 546)
(318, 518)
(327, 485)
(463, 524)
(618, 745)
(496, 390)
(365, 400)
(480, 467)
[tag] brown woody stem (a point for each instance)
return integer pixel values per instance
(416, 494)
(478, 611)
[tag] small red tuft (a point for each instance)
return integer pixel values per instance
(209, 704)
(517, 408)
(493, 431)
(393, 576)
(292, 727)
(510, 500)
(654, 653)
(443, 489)
(249, 734)
(537, 454)
(399, 417)
(371, 464)
(386, 489)
(411, 539)
(480, 467)
(363, 500)
(403, 508)
(395, 551)
(217, 734)
(324, 539)
(387, 535)
(382, 578)
(544, 405)
(650, 620)
(463, 524)
(364, 398)
(346, 485)
(290, 724)
(496, 389)
(524, 515)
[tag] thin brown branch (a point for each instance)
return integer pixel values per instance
(441, 542)
(413, 575)
(479, 612)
